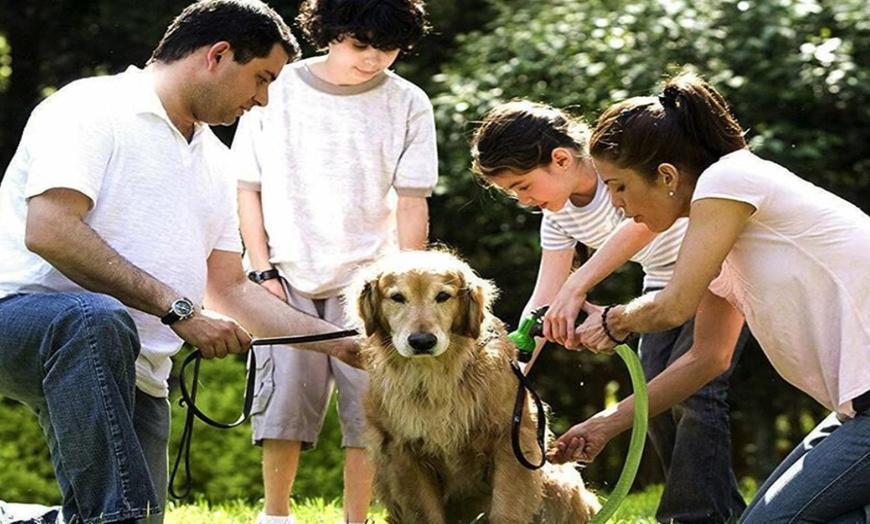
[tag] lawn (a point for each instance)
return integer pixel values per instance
(637, 508)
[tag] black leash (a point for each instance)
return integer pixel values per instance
(524, 386)
(188, 398)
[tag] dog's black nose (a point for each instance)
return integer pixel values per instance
(422, 341)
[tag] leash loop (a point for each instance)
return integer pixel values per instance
(188, 399)
(525, 385)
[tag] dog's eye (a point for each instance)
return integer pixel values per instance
(443, 297)
(398, 297)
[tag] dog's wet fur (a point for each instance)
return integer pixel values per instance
(441, 397)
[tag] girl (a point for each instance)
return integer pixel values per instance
(539, 154)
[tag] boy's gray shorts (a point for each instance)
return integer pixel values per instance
(294, 386)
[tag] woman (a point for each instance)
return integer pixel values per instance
(764, 245)
(539, 154)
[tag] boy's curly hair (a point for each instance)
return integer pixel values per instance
(382, 24)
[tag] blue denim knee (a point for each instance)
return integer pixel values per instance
(826, 478)
(71, 358)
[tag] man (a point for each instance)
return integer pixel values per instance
(116, 222)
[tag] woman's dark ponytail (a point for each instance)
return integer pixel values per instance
(688, 125)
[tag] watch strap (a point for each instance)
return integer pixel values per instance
(258, 277)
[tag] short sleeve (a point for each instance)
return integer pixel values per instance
(553, 236)
(228, 236)
(417, 170)
(732, 178)
(70, 145)
(243, 158)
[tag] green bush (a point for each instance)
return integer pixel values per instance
(26, 475)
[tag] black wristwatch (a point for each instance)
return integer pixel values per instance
(258, 277)
(181, 309)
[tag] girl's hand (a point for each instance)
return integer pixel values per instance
(561, 317)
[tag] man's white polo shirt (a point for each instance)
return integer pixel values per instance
(164, 204)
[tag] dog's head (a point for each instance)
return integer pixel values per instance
(419, 300)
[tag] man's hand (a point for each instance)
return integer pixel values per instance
(348, 351)
(213, 334)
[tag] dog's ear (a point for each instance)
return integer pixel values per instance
(472, 307)
(369, 306)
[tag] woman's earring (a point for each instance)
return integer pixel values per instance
(671, 194)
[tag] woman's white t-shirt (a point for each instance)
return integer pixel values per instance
(800, 274)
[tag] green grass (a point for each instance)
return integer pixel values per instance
(637, 508)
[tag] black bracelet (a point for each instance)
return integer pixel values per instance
(258, 277)
(606, 330)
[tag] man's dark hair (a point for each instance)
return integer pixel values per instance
(382, 24)
(251, 27)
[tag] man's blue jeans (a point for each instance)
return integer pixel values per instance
(826, 478)
(71, 358)
(693, 439)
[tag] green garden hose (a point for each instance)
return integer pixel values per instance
(638, 435)
(524, 340)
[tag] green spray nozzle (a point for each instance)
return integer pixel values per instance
(530, 327)
(524, 337)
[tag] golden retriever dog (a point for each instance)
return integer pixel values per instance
(441, 397)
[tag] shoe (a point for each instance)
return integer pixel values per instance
(14, 513)
(262, 518)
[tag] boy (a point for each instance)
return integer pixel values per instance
(334, 174)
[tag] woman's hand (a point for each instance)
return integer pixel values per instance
(583, 442)
(591, 334)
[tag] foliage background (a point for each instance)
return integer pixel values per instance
(795, 71)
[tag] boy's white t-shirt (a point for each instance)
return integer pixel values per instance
(800, 273)
(593, 224)
(161, 203)
(329, 162)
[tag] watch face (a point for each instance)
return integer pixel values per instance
(182, 307)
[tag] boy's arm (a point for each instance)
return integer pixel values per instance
(412, 216)
(255, 237)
